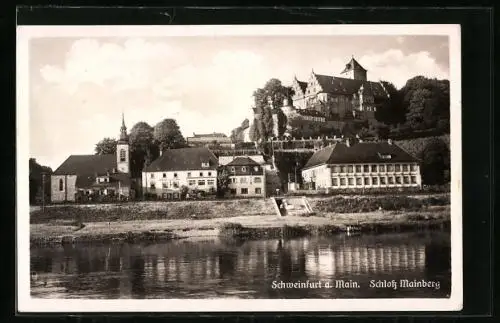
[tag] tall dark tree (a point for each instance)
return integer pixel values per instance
(36, 171)
(391, 111)
(106, 146)
(435, 162)
(222, 181)
(167, 135)
(142, 147)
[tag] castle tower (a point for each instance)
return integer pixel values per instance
(123, 150)
(354, 70)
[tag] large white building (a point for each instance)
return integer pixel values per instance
(362, 165)
(195, 168)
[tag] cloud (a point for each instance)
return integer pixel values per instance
(400, 39)
(396, 67)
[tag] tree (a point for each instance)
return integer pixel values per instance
(222, 181)
(391, 111)
(142, 147)
(106, 146)
(435, 162)
(253, 132)
(167, 135)
(36, 171)
(276, 93)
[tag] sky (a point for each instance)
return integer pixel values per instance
(79, 87)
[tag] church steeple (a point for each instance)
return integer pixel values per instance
(123, 130)
(354, 70)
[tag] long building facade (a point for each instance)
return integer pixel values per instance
(362, 165)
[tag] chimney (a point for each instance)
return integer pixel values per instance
(389, 141)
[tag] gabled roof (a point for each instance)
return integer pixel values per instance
(363, 152)
(115, 180)
(87, 165)
(243, 161)
(352, 65)
(347, 86)
(183, 159)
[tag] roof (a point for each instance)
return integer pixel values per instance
(352, 65)
(87, 165)
(243, 161)
(115, 180)
(215, 134)
(347, 86)
(183, 159)
(363, 152)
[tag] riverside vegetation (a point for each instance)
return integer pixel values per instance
(244, 218)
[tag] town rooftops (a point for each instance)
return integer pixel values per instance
(211, 135)
(362, 152)
(347, 86)
(87, 165)
(183, 159)
(243, 161)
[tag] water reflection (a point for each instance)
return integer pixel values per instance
(210, 269)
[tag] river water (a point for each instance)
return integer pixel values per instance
(367, 264)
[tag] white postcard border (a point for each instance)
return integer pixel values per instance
(27, 304)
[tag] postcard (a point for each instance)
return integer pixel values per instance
(278, 168)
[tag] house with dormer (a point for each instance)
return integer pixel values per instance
(87, 177)
(195, 168)
(338, 98)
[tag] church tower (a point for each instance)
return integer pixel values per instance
(354, 70)
(123, 150)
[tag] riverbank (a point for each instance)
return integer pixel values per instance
(237, 226)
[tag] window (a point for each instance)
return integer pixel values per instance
(414, 179)
(233, 180)
(335, 182)
(351, 181)
(233, 191)
(406, 180)
(164, 175)
(350, 169)
(405, 167)
(342, 181)
(358, 168)
(61, 185)
(232, 169)
(257, 180)
(152, 186)
(210, 182)
(209, 173)
(164, 185)
(201, 174)
(191, 182)
(244, 191)
(359, 181)
(258, 190)
(367, 181)
(123, 155)
(152, 175)
(374, 168)
(382, 180)
(243, 179)
(256, 169)
(366, 168)
(374, 181)
(390, 168)
(342, 169)
(176, 185)
(391, 180)
(336, 169)
(398, 180)
(175, 175)
(189, 175)
(243, 169)
(201, 183)
(398, 168)
(205, 164)
(413, 167)
(381, 168)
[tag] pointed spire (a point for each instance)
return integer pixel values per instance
(123, 130)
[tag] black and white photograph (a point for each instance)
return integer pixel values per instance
(239, 168)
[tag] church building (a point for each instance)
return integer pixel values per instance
(93, 177)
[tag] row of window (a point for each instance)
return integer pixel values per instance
(374, 168)
(362, 181)
(234, 180)
(243, 169)
(189, 174)
(244, 191)
(209, 182)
